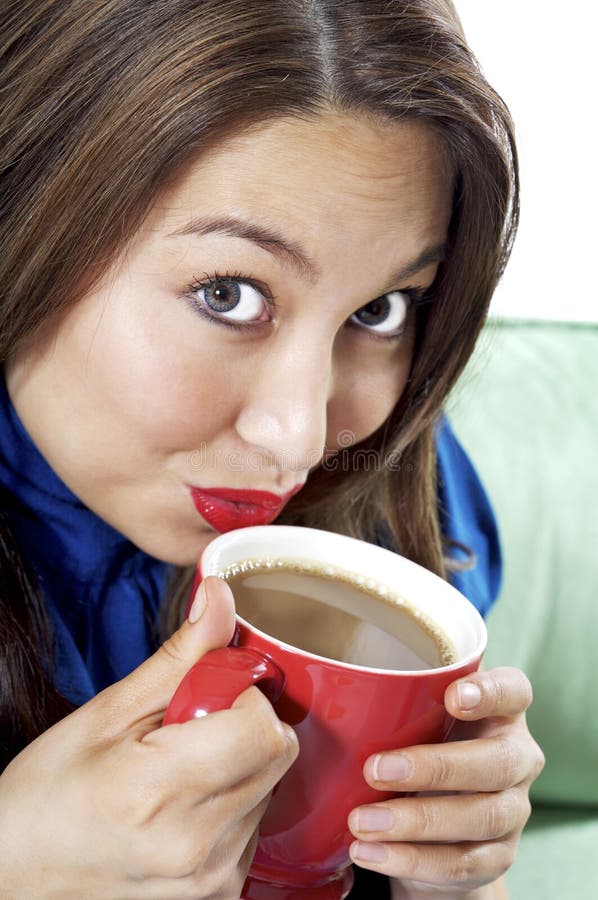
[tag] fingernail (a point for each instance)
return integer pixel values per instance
(200, 601)
(392, 767)
(469, 695)
(374, 818)
(375, 853)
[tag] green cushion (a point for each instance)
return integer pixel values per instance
(526, 410)
(557, 858)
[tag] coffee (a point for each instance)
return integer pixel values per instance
(336, 614)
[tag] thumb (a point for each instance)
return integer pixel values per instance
(211, 624)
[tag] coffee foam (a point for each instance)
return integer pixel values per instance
(372, 588)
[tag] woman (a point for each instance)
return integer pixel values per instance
(238, 240)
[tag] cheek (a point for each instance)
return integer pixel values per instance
(365, 401)
(159, 379)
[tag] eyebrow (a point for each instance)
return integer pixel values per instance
(289, 252)
(426, 258)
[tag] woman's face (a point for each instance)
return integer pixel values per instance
(263, 314)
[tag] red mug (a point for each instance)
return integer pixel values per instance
(342, 713)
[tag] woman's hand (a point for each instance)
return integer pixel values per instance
(459, 826)
(108, 805)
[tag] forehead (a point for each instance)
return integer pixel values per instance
(335, 173)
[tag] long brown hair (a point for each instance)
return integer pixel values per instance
(102, 103)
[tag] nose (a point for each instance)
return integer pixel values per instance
(285, 414)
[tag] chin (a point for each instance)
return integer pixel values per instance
(182, 551)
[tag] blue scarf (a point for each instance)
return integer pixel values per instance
(102, 593)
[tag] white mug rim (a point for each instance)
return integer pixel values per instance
(473, 656)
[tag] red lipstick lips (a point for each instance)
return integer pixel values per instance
(228, 508)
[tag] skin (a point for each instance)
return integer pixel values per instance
(469, 840)
(133, 395)
(272, 396)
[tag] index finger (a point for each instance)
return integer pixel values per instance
(501, 692)
(224, 748)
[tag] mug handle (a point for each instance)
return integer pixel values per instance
(218, 678)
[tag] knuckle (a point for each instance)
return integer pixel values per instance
(411, 862)
(279, 742)
(522, 810)
(136, 799)
(427, 820)
(278, 739)
(480, 864)
(504, 857)
(138, 807)
(183, 861)
(501, 814)
(215, 887)
(508, 689)
(291, 743)
(280, 747)
(527, 691)
(172, 648)
(224, 880)
(498, 692)
(219, 878)
(508, 763)
(466, 866)
(442, 773)
(526, 810)
(200, 886)
(539, 761)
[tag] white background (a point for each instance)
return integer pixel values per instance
(542, 57)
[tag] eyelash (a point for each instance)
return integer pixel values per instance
(210, 280)
(417, 297)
